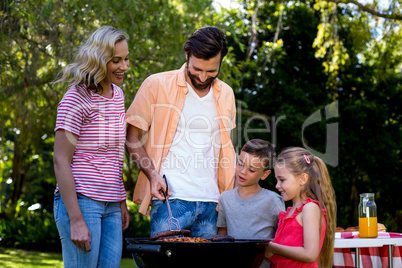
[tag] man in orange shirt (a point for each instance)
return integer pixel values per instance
(179, 126)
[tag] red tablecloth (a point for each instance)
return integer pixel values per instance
(376, 257)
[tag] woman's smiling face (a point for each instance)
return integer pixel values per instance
(118, 65)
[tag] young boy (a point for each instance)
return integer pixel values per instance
(249, 211)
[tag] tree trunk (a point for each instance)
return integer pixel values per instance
(129, 184)
(17, 174)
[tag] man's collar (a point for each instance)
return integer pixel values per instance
(181, 81)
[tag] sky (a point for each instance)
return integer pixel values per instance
(224, 3)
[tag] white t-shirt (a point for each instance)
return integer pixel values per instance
(191, 164)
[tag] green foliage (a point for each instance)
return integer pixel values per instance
(324, 53)
(139, 224)
(286, 61)
(37, 227)
(27, 228)
(38, 38)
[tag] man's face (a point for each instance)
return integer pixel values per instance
(202, 73)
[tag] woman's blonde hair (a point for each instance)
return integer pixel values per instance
(319, 187)
(89, 66)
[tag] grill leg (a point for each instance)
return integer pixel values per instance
(137, 261)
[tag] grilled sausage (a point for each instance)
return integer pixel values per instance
(170, 233)
(222, 238)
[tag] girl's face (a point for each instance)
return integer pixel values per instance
(288, 184)
(118, 65)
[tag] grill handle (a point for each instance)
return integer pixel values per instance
(144, 248)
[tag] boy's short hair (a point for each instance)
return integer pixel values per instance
(262, 149)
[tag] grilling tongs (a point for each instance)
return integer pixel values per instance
(171, 220)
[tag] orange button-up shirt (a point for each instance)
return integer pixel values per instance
(156, 110)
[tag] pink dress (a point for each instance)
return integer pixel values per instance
(290, 233)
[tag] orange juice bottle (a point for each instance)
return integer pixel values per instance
(367, 216)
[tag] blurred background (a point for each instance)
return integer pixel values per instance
(287, 60)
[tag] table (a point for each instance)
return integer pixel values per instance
(358, 243)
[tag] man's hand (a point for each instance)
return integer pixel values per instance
(158, 186)
(141, 158)
(80, 234)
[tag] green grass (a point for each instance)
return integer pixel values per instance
(14, 258)
(127, 263)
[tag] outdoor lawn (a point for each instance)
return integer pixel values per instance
(14, 258)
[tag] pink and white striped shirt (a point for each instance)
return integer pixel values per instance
(100, 124)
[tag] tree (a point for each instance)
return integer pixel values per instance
(286, 61)
(38, 38)
(294, 59)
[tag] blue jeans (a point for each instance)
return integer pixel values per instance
(104, 222)
(198, 217)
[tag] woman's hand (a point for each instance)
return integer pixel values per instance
(125, 216)
(64, 147)
(80, 234)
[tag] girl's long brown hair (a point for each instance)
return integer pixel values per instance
(318, 187)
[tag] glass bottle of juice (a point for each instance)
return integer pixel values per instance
(367, 216)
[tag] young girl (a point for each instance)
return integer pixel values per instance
(305, 234)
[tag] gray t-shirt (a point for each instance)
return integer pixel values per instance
(252, 218)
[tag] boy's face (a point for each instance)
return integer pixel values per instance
(250, 169)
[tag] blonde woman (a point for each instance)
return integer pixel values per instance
(90, 200)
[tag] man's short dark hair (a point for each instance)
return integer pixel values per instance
(205, 43)
(261, 149)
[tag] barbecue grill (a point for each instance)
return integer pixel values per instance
(240, 253)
